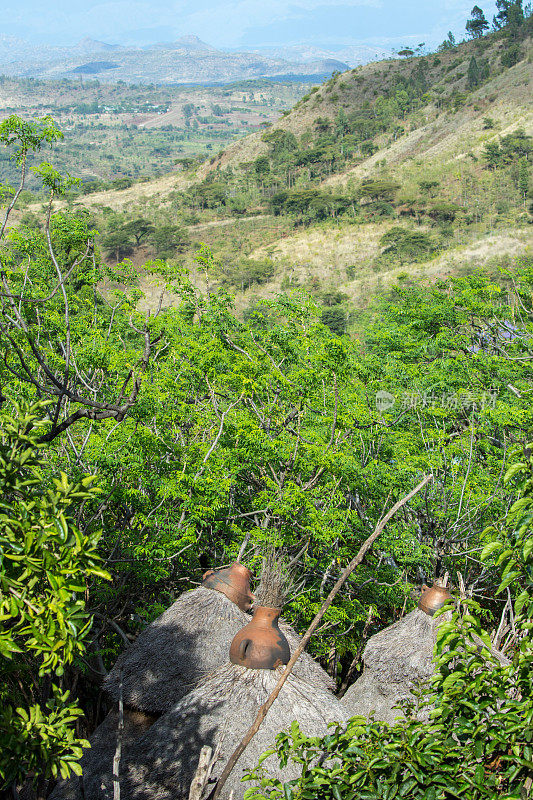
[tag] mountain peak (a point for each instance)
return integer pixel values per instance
(88, 44)
(191, 38)
(188, 42)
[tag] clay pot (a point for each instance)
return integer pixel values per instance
(234, 582)
(261, 644)
(433, 598)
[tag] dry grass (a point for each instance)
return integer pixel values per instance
(318, 259)
(452, 135)
(277, 584)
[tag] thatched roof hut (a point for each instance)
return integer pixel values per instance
(218, 712)
(186, 643)
(396, 660)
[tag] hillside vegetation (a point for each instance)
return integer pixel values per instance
(401, 169)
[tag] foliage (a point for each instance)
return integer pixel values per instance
(169, 240)
(209, 428)
(44, 573)
(379, 189)
(310, 204)
(335, 318)
(509, 150)
(403, 244)
(68, 352)
(473, 74)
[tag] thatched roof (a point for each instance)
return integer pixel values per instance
(396, 660)
(186, 643)
(219, 711)
(97, 762)
(306, 667)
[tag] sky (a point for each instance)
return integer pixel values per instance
(239, 23)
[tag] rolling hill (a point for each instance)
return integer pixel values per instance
(423, 127)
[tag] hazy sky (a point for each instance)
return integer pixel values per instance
(234, 23)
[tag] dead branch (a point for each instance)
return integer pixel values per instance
(261, 714)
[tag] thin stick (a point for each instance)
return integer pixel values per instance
(201, 775)
(118, 751)
(261, 714)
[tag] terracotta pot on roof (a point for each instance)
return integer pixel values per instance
(261, 644)
(234, 582)
(433, 598)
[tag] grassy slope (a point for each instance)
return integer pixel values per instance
(352, 88)
(437, 148)
(438, 145)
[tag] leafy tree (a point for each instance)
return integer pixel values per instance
(282, 143)
(54, 342)
(510, 13)
(405, 244)
(334, 317)
(443, 211)
(477, 24)
(262, 166)
(139, 228)
(44, 572)
(169, 239)
(492, 155)
(378, 189)
(511, 55)
(448, 44)
(429, 186)
(118, 242)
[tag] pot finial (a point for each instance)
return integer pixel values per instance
(234, 582)
(261, 644)
(433, 598)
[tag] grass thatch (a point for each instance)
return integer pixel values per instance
(219, 711)
(396, 660)
(97, 762)
(306, 667)
(187, 642)
(277, 584)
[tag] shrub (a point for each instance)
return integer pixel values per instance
(335, 319)
(443, 211)
(511, 55)
(404, 244)
(44, 568)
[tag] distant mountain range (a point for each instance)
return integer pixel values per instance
(353, 55)
(187, 60)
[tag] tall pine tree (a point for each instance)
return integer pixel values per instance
(477, 25)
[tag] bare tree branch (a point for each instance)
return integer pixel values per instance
(261, 714)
